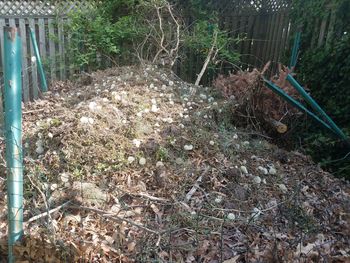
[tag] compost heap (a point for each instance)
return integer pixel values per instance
(139, 166)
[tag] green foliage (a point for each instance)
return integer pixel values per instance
(97, 32)
(121, 31)
(200, 41)
(326, 72)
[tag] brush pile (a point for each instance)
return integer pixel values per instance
(139, 166)
(254, 104)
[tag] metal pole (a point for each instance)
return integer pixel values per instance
(315, 106)
(295, 50)
(13, 135)
(295, 103)
(38, 59)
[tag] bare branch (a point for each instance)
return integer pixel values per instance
(208, 59)
(176, 48)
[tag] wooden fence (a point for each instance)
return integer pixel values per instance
(263, 26)
(47, 20)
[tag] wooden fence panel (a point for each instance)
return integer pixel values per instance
(265, 24)
(47, 21)
(61, 50)
(23, 32)
(52, 51)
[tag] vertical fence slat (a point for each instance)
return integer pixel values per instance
(279, 47)
(255, 40)
(25, 86)
(12, 22)
(266, 42)
(331, 26)
(42, 40)
(262, 38)
(61, 49)
(322, 32)
(278, 38)
(35, 86)
(284, 39)
(272, 38)
(52, 50)
(248, 42)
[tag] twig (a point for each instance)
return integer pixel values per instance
(254, 133)
(34, 218)
(195, 186)
(114, 218)
(46, 205)
(33, 111)
(152, 198)
(193, 189)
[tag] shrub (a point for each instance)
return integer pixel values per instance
(326, 72)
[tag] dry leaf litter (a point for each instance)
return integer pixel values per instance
(139, 166)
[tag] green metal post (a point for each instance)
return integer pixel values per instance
(295, 50)
(13, 134)
(38, 59)
(296, 103)
(315, 106)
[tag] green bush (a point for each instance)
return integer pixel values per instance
(123, 32)
(325, 70)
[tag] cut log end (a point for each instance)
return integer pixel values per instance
(279, 126)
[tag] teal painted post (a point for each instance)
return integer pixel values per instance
(295, 50)
(13, 134)
(296, 104)
(38, 59)
(315, 106)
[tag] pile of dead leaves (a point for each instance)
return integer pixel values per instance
(139, 166)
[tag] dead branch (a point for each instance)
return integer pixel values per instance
(193, 189)
(195, 186)
(34, 218)
(176, 48)
(114, 217)
(208, 59)
(161, 44)
(46, 206)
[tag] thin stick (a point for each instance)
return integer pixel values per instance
(195, 186)
(193, 189)
(114, 218)
(34, 218)
(46, 205)
(33, 111)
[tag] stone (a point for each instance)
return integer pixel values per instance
(89, 192)
(244, 169)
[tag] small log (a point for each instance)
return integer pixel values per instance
(279, 126)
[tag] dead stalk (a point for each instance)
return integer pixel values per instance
(208, 59)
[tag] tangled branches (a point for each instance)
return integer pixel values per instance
(259, 106)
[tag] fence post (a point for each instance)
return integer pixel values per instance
(38, 59)
(13, 135)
